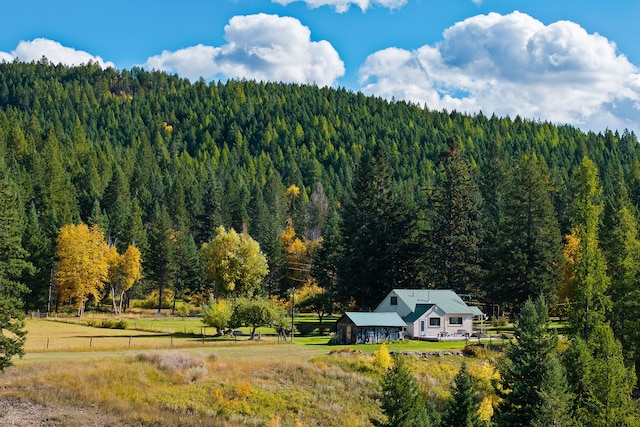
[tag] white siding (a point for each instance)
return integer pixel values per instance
(401, 308)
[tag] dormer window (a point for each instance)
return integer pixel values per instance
(394, 301)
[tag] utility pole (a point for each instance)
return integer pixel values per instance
(293, 303)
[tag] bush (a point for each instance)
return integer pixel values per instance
(499, 322)
(184, 309)
(382, 358)
(152, 300)
(475, 350)
(305, 328)
(107, 324)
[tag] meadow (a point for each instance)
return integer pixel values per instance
(163, 374)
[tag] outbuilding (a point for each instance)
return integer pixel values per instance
(369, 328)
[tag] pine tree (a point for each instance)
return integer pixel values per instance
(13, 266)
(39, 246)
(455, 228)
(189, 275)
(527, 379)
(402, 402)
(527, 257)
(462, 410)
(160, 261)
(379, 252)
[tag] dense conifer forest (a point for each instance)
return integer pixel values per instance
(118, 148)
(354, 195)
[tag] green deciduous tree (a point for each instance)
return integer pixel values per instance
(234, 264)
(217, 314)
(589, 283)
(254, 313)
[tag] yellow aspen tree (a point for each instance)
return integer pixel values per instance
(113, 260)
(130, 270)
(82, 268)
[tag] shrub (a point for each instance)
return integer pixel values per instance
(305, 328)
(382, 358)
(184, 309)
(107, 324)
(152, 300)
(500, 322)
(473, 350)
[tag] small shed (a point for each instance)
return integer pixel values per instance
(369, 328)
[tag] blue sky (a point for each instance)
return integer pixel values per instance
(564, 61)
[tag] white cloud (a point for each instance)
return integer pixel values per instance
(5, 57)
(55, 53)
(514, 65)
(260, 47)
(342, 6)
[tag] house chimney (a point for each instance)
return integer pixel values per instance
(428, 296)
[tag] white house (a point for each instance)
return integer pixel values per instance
(431, 313)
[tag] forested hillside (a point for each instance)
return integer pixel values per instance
(134, 151)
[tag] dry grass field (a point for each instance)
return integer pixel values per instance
(92, 377)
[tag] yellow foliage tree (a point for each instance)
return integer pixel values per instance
(234, 264)
(296, 254)
(124, 270)
(83, 266)
(570, 254)
(131, 270)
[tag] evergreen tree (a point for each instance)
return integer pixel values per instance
(462, 410)
(160, 261)
(13, 266)
(621, 245)
(610, 382)
(378, 229)
(589, 281)
(189, 275)
(402, 402)
(455, 228)
(527, 257)
(528, 372)
(39, 246)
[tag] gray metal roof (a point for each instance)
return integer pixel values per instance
(476, 310)
(376, 319)
(420, 310)
(446, 299)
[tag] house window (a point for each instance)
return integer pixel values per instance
(434, 322)
(394, 300)
(422, 326)
(455, 320)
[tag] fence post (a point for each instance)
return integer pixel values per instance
(90, 342)
(47, 343)
(129, 341)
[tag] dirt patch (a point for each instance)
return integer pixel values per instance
(15, 412)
